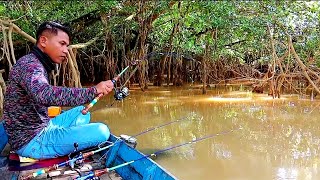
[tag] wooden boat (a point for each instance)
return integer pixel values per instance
(120, 153)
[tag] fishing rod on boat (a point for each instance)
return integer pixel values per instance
(132, 139)
(82, 156)
(96, 173)
(69, 162)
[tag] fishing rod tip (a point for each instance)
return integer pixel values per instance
(153, 155)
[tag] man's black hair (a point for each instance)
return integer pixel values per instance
(53, 27)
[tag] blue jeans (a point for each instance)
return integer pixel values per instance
(58, 138)
(3, 136)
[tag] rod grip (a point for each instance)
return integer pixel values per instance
(93, 102)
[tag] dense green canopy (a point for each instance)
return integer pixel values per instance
(240, 25)
(246, 33)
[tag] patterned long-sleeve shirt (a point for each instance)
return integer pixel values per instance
(28, 97)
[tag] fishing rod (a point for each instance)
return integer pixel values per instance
(122, 91)
(95, 100)
(173, 54)
(85, 155)
(97, 173)
(166, 124)
(136, 62)
(132, 139)
(119, 93)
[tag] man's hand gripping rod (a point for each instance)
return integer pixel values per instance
(93, 102)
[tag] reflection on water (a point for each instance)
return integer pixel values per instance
(278, 139)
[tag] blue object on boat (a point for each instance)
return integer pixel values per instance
(145, 168)
(3, 136)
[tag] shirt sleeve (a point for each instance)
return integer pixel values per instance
(38, 88)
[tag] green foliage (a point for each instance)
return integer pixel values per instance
(28, 15)
(229, 28)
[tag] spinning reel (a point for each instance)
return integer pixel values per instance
(121, 93)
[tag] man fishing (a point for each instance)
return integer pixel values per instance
(30, 131)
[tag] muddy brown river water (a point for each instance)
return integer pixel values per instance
(256, 137)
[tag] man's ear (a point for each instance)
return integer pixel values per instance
(43, 41)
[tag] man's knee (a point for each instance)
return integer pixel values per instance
(103, 131)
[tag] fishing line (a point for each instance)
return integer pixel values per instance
(136, 63)
(133, 138)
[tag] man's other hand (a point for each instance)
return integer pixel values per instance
(104, 87)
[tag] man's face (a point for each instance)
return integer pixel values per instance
(55, 46)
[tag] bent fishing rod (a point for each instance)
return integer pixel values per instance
(83, 156)
(96, 173)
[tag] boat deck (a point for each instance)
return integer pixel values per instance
(59, 174)
(9, 175)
